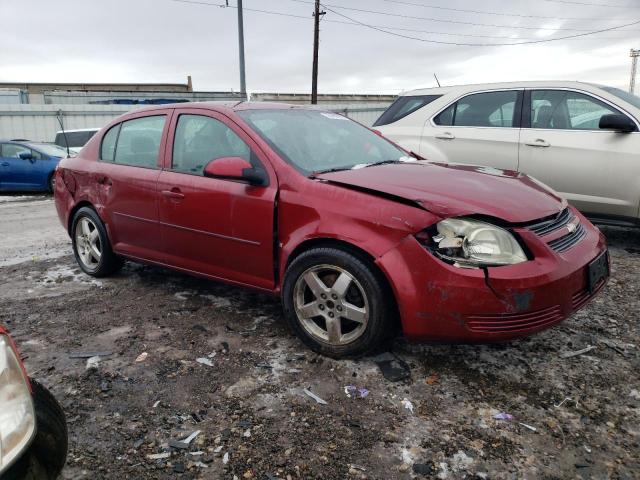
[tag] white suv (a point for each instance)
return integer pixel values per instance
(583, 140)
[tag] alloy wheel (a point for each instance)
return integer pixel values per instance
(331, 304)
(88, 243)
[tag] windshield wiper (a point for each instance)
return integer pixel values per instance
(383, 162)
(329, 170)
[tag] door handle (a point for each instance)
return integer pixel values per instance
(445, 136)
(173, 193)
(5, 164)
(538, 142)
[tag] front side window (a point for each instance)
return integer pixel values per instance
(403, 106)
(489, 109)
(316, 141)
(567, 110)
(138, 143)
(199, 140)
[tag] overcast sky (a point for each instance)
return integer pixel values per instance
(165, 40)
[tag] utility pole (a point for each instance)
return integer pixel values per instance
(634, 65)
(243, 85)
(316, 41)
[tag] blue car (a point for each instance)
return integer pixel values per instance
(28, 165)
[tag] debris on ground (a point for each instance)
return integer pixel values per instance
(392, 367)
(577, 352)
(93, 362)
(158, 456)
(407, 404)
(314, 396)
(533, 429)
(503, 416)
(205, 361)
(142, 357)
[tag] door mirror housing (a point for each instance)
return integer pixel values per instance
(26, 156)
(236, 168)
(617, 122)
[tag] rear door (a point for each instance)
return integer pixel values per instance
(126, 178)
(562, 145)
(218, 227)
(479, 128)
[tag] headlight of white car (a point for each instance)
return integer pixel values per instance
(472, 243)
(17, 417)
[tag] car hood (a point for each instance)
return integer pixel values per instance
(453, 189)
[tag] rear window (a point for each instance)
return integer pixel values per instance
(403, 106)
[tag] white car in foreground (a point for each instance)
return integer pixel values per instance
(581, 139)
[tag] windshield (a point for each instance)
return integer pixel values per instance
(315, 141)
(626, 96)
(49, 149)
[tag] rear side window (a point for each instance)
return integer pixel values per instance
(108, 148)
(490, 109)
(138, 143)
(403, 106)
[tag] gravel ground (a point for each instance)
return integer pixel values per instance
(573, 417)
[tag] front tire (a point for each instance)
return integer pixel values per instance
(47, 454)
(337, 303)
(91, 245)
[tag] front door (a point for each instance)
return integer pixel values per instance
(17, 173)
(221, 228)
(596, 170)
(481, 128)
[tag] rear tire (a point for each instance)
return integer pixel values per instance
(91, 245)
(52, 182)
(337, 303)
(47, 454)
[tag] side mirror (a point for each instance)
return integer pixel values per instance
(236, 168)
(26, 156)
(617, 122)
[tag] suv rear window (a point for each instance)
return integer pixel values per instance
(403, 106)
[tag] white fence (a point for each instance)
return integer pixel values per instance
(40, 122)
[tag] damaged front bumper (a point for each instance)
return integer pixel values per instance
(440, 302)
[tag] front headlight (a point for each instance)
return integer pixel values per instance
(472, 243)
(17, 417)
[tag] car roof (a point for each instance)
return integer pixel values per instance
(499, 85)
(228, 106)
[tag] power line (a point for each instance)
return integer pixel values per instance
(440, 20)
(486, 12)
(480, 44)
(593, 4)
(359, 24)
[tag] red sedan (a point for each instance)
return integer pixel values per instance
(357, 235)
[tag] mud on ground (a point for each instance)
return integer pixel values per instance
(573, 417)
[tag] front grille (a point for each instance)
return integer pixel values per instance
(547, 226)
(514, 322)
(567, 241)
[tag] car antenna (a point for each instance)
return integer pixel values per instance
(64, 134)
(437, 81)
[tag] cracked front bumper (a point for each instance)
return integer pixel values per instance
(440, 302)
